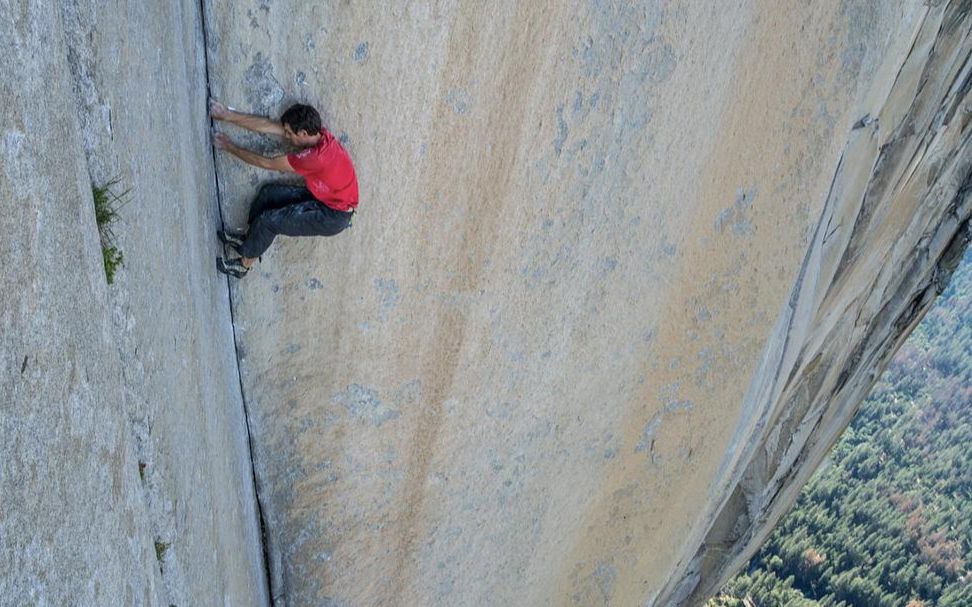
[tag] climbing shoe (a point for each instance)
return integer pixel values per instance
(232, 267)
(231, 240)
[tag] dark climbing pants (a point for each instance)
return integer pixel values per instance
(290, 210)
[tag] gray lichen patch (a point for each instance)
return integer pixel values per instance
(363, 404)
(261, 89)
(736, 217)
(361, 52)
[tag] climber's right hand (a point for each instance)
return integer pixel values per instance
(218, 111)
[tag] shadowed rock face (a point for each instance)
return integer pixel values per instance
(620, 274)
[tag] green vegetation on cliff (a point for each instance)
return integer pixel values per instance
(889, 522)
(106, 204)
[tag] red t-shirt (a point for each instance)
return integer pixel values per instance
(328, 172)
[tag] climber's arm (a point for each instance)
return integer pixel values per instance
(249, 122)
(278, 163)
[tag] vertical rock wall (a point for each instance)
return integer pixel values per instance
(71, 511)
(620, 275)
(526, 375)
(894, 227)
(124, 469)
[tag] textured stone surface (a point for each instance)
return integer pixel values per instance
(892, 231)
(536, 368)
(99, 381)
(620, 276)
(71, 513)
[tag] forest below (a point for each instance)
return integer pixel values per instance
(887, 520)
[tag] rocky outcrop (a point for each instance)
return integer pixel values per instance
(894, 227)
(620, 275)
(568, 354)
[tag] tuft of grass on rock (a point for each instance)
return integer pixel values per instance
(107, 202)
(160, 550)
(113, 259)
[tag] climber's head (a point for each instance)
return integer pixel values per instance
(302, 125)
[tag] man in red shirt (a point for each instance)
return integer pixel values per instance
(322, 207)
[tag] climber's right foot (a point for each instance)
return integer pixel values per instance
(232, 267)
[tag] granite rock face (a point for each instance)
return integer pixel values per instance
(70, 513)
(620, 275)
(893, 229)
(125, 475)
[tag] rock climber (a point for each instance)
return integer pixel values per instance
(322, 207)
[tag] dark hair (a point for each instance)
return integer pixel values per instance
(300, 117)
